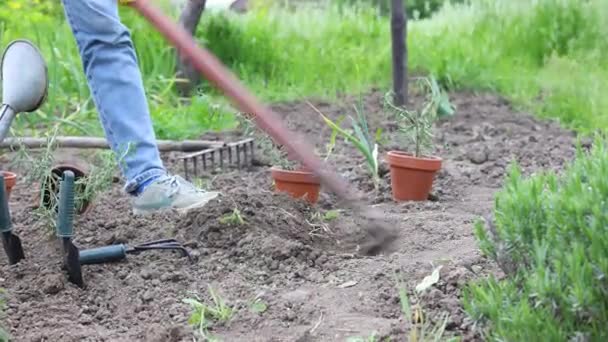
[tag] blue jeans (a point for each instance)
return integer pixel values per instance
(115, 81)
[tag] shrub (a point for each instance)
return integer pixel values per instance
(550, 238)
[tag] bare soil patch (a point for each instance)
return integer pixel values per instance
(305, 268)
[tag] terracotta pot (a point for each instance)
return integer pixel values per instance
(298, 184)
(10, 179)
(57, 171)
(411, 177)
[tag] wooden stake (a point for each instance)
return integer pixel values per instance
(399, 44)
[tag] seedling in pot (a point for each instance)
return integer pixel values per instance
(290, 178)
(362, 139)
(412, 174)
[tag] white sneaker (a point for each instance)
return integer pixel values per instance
(171, 192)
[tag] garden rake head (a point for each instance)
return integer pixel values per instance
(239, 154)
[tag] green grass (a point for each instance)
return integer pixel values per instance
(278, 55)
(544, 55)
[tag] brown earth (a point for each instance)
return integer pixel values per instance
(303, 267)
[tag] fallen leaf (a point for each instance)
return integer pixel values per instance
(429, 280)
(348, 284)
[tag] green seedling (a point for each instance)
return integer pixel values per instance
(361, 138)
(278, 154)
(416, 126)
(203, 316)
(331, 215)
(258, 306)
(422, 330)
(233, 218)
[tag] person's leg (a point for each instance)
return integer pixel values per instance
(115, 81)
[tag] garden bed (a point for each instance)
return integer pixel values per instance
(300, 262)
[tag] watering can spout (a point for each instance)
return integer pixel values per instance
(24, 82)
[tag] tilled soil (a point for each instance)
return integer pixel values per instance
(302, 264)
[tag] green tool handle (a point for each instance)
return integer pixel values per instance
(65, 217)
(5, 215)
(103, 254)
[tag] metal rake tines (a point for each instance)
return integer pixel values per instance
(239, 153)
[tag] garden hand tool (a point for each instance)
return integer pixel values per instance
(24, 82)
(10, 241)
(119, 252)
(219, 75)
(65, 228)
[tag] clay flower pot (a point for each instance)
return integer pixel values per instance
(299, 183)
(10, 179)
(411, 177)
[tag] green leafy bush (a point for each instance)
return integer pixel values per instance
(550, 238)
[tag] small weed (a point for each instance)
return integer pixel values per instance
(278, 154)
(258, 306)
(233, 218)
(203, 316)
(331, 215)
(318, 223)
(422, 330)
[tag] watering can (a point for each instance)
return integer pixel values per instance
(25, 82)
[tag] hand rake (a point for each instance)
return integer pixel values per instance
(119, 252)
